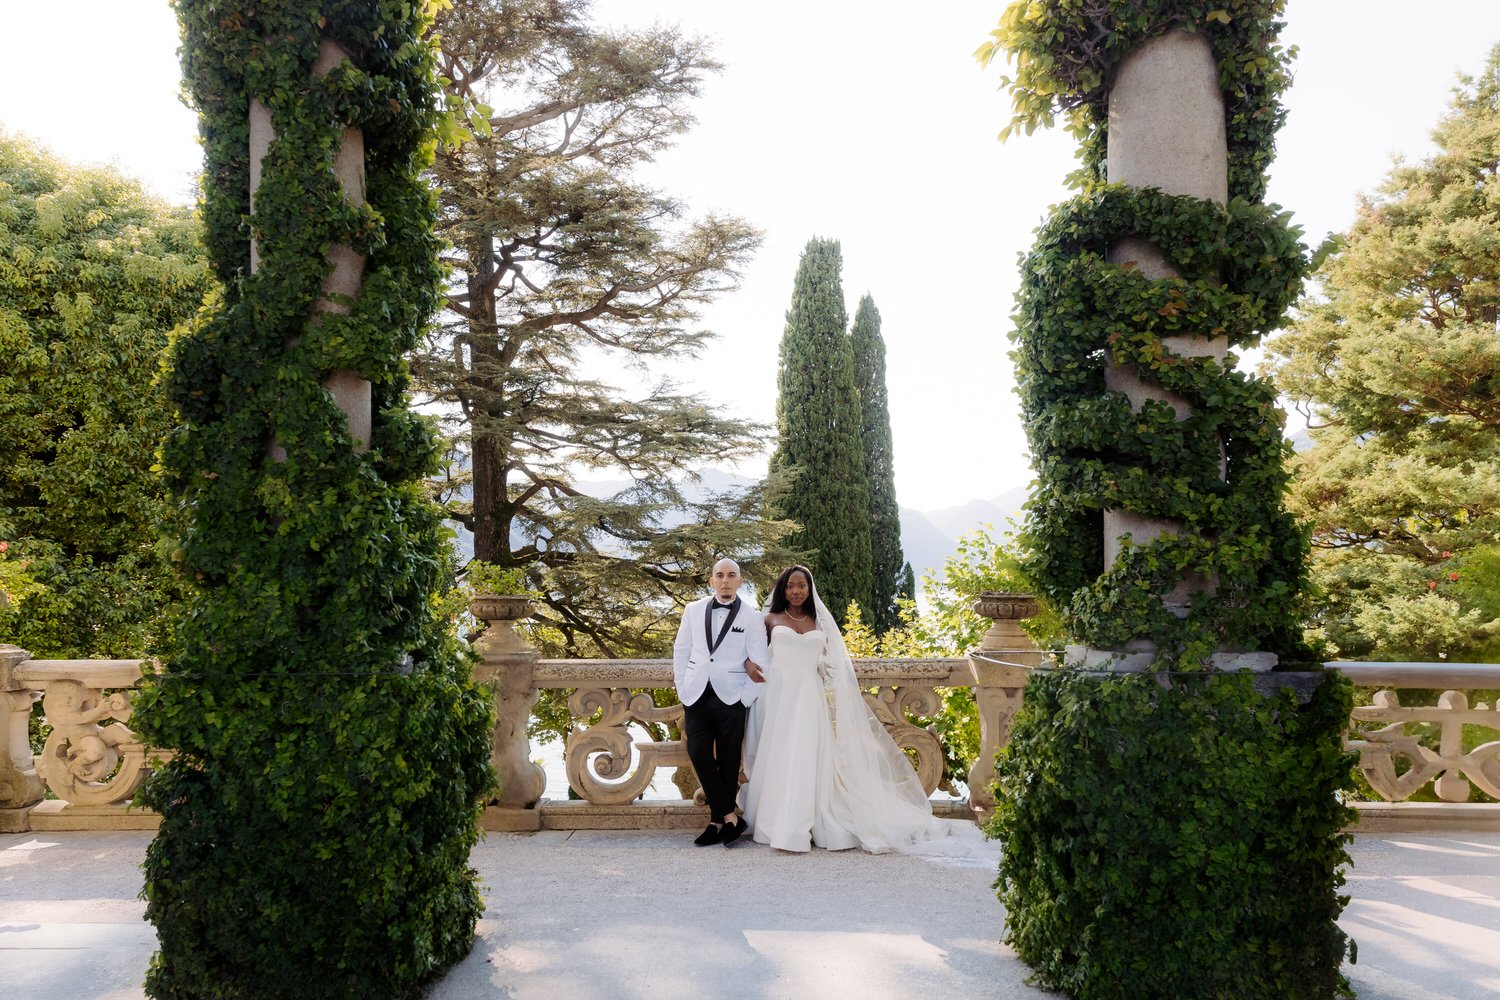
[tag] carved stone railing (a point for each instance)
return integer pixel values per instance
(609, 769)
(1396, 760)
(92, 762)
(607, 766)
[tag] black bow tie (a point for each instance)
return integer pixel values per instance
(723, 607)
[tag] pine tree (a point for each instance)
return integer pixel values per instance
(818, 425)
(886, 562)
(565, 263)
(1398, 363)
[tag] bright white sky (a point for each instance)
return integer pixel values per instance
(868, 123)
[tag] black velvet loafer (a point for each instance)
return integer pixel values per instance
(733, 832)
(710, 835)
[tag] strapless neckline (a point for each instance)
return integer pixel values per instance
(811, 631)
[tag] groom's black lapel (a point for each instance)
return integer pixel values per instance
(708, 624)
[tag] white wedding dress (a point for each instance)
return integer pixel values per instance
(787, 798)
(822, 768)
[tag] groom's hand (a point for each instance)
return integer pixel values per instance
(756, 674)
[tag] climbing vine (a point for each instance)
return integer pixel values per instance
(1173, 834)
(1065, 53)
(331, 753)
(1218, 472)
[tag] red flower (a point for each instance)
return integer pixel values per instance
(1432, 585)
(1447, 554)
(4, 546)
(1453, 576)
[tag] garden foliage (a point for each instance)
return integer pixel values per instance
(331, 752)
(94, 275)
(1396, 361)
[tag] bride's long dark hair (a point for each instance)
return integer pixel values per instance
(779, 603)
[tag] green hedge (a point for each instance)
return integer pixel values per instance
(1176, 836)
(332, 753)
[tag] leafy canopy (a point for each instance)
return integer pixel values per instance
(94, 276)
(1396, 362)
(568, 271)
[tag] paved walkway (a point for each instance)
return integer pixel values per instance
(632, 916)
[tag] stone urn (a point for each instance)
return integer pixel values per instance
(1006, 611)
(500, 612)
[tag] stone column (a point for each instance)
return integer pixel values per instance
(20, 785)
(350, 392)
(1001, 666)
(1166, 130)
(507, 663)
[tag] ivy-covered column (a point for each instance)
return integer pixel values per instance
(346, 265)
(1168, 806)
(332, 752)
(1166, 131)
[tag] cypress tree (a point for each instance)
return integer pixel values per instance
(818, 426)
(886, 563)
(907, 591)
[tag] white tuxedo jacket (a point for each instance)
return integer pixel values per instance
(693, 667)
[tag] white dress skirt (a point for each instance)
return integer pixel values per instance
(822, 769)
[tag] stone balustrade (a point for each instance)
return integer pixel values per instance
(1396, 758)
(92, 763)
(609, 769)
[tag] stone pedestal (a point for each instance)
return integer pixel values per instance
(20, 784)
(509, 665)
(1000, 667)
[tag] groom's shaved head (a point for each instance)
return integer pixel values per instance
(725, 579)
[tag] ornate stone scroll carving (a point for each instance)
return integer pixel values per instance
(1380, 745)
(601, 755)
(891, 705)
(80, 759)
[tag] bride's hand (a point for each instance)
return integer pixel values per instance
(756, 674)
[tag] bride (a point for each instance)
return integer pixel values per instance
(822, 768)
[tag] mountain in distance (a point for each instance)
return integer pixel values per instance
(928, 538)
(709, 481)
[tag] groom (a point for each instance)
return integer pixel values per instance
(716, 664)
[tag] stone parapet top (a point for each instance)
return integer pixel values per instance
(1419, 675)
(658, 673)
(97, 673)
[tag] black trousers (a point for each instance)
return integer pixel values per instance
(715, 735)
